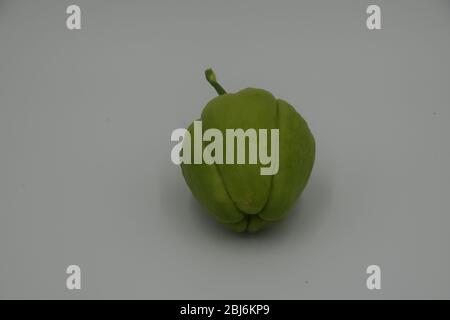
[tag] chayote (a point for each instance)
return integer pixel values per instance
(238, 195)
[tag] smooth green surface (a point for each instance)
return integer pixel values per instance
(237, 195)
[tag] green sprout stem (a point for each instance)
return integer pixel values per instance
(211, 78)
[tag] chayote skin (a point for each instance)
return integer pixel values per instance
(237, 195)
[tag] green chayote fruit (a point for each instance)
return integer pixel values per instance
(237, 195)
